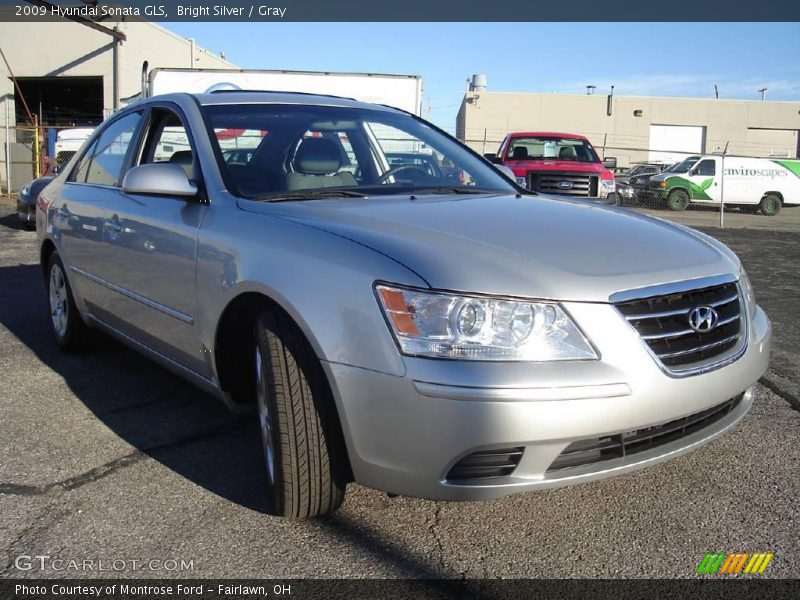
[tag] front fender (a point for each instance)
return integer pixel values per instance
(323, 281)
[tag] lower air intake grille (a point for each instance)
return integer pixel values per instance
(664, 324)
(593, 450)
(486, 464)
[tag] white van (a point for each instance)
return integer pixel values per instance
(765, 184)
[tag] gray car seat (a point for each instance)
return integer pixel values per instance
(316, 165)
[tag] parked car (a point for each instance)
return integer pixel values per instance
(557, 164)
(624, 193)
(26, 201)
(639, 171)
(452, 338)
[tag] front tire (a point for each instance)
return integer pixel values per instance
(678, 200)
(303, 447)
(770, 205)
(69, 330)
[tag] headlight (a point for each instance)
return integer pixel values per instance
(25, 191)
(477, 328)
(607, 186)
(747, 292)
(522, 181)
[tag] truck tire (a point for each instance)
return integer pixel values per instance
(770, 205)
(66, 323)
(678, 200)
(303, 445)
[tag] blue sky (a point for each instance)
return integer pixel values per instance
(663, 59)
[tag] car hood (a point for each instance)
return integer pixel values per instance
(556, 165)
(517, 246)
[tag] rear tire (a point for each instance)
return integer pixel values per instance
(303, 446)
(69, 330)
(678, 200)
(770, 205)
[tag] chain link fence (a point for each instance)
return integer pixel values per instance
(28, 152)
(730, 184)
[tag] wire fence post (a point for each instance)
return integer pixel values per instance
(722, 187)
(8, 151)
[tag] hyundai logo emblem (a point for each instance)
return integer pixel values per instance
(565, 185)
(703, 319)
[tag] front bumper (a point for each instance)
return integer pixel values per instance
(404, 434)
(26, 211)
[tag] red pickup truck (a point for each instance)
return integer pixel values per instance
(557, 163)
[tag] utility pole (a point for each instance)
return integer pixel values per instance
(722, 187)
(763, 92)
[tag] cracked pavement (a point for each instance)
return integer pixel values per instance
(107, 456)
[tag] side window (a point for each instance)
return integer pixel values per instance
(168, 141)
(109, 152)
(706, 167)
(78, 174)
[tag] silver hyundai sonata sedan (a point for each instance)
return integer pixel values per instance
(421, 326)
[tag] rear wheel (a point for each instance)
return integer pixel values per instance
(678, 200)
(770, 205)
(69, 330)
(303, 446)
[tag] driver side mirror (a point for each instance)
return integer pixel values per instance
(610, 162)
(492, 158)
(163, 179)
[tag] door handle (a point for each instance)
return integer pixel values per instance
(113, 225)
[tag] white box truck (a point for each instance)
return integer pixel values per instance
(400, 91)
(764, 184)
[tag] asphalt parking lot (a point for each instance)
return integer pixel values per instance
(106, 456)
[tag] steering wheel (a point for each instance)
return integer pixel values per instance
(399, 169)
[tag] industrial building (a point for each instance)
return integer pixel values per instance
(74, 73)
(633, 128)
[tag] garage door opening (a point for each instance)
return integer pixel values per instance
(673, 143)
(61, 101)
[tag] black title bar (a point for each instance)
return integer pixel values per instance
(405, 10)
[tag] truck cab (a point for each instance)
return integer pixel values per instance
(557, 164)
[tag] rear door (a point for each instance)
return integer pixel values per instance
(91, 186)
(151, 245)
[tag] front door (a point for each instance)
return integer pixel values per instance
(704, 181)
(151, 245)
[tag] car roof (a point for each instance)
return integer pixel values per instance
(277, 97)
(570, 136)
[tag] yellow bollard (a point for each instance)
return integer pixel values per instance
(36, 165)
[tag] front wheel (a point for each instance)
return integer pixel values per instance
(303, 445)
(770, 205)
(678, 200)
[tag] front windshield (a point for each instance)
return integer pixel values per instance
(684, 165)
(551, 148)
(277, 151)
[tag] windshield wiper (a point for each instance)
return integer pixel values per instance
(452, 190)
(309, 195)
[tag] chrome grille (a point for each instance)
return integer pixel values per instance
(555, 182)
(609, 447)
(663, 324)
